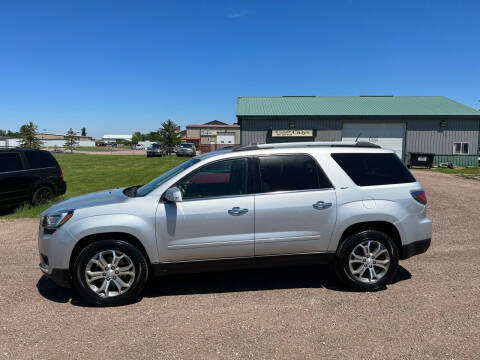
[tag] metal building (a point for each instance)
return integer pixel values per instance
(405, 124)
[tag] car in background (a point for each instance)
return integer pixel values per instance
(186, 149)
(139, 147)
(28, 175)
(156, 150)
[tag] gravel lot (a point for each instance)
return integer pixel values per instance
(431, 310)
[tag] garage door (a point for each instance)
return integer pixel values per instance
(388, 136)
(226, 139)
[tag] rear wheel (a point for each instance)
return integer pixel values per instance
(367, 260)
(110, 272)
(42, 195)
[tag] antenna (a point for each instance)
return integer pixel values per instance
(358, 137)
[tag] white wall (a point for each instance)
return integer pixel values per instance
(146, 143)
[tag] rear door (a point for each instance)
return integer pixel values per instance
(295, 209)
(13, 179)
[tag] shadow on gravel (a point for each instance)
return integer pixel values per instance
(225, 281)
(253, 280)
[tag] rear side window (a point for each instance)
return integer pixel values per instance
(10, 162)
(374, 169)
(40, 159)
(290, 172)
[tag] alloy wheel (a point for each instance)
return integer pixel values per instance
(369, 261)
(110, 273)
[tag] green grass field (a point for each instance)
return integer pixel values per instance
(87, 173)
(471, 171)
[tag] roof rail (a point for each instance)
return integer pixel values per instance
(363, 144)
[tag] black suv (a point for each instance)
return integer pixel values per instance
(29, 175)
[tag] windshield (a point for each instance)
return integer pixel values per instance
(152, 185)
(186, 145)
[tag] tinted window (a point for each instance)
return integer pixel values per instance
(374, 169)
(40, 159)
(290, 172)
(223, 178)
(10, 162)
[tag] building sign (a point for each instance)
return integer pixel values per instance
(208, 132)
(292, 133)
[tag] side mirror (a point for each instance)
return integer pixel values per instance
(173, 195)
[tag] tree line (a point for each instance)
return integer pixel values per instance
(168, 134)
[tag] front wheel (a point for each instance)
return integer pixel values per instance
(367, 260)
(110, 272)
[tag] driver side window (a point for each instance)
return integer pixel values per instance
(222, 178)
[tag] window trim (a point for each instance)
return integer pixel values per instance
(461, 148)
(249, 193)
(259, 176)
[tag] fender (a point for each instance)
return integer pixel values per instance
(355, 212)
(141, 228)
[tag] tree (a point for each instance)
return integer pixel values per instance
(84, 131)
(169, 135)
(136, 137)
(28, 133)
(71, 140)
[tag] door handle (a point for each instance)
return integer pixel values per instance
(320, 205)
(237, 211)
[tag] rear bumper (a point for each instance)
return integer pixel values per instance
(415, 248)
(61, 188)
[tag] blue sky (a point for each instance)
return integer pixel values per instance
(118, 66)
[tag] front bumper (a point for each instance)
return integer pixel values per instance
(415, 248)
(61, 277)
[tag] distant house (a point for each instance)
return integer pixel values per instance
(212, 135)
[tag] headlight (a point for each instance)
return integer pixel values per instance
(53, 221)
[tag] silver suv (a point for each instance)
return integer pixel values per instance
(353, 205)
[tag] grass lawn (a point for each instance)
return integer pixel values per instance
(459, 170)
(87, 173)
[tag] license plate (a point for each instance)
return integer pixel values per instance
(422, 158)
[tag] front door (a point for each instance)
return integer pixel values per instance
(295, 210)
(215, 219)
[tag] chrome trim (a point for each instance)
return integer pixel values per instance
(292, 191)
(217, 197)
(287, 239)
(210, 244)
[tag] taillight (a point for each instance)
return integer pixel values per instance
(420, 196)
(60, 172)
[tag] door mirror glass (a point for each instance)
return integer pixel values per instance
(173, 195)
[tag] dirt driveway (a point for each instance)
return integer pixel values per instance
(431, 310)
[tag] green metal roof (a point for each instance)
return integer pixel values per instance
(351, 106)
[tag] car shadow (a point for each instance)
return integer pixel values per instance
(315, 276)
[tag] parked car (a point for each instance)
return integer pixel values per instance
(156, 150)
(186, 149)
(139, 147)
(29, 176)
(353, 205)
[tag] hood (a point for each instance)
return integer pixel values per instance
(105, 197)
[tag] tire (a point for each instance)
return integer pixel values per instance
(42, 195)
(353, 266)
(114, 295)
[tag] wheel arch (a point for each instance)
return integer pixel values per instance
(383, 226)
(89, 239)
